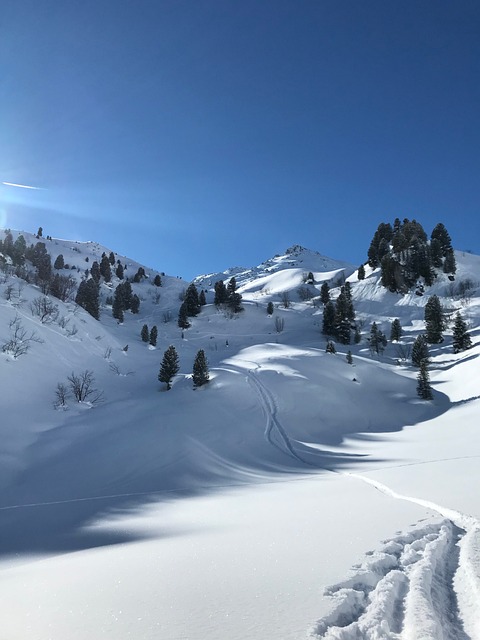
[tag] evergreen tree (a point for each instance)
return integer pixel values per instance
(191, 301)
(234, 298)
(183, 321)
(169, 367)
(361, 272)
(221, 293)
(201, 298)
(119, 271)
(123, 292)
(419, 350)
(19, 250)
(461, 338)
(270, 308)
(357, 336)
(325, 293)
(434, 320)
(157, 281)
(377, 339)
(39, 232)
(310, 279)
(328, 327)
(144, 333)
(450, 264)
(41, 260)
(135, 304)
(111, 258)
(436, 252)
(200, 370)
(441, 234)
(396, 330)
(153, 336)
(117, 308)
(330, 348)
(424, 390)
(88, 297)
(349, 357)
(59, 262)
(105, 269)
(95, 271)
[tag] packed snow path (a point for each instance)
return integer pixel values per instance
(423, 585)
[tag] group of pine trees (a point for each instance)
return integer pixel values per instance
(170, 366)
(405, 254)
(191, 305)
(339, 317)
(149, 336)
(228, 295)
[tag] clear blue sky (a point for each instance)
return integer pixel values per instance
(194, 135)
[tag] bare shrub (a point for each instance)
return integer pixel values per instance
(279, 324)
(304, 293)
(82, 387)
(167, 316)
(20, 340)
(72, 331)
(45, 309)
(61, 396)
(285, 299)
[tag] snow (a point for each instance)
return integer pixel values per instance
(296, 496)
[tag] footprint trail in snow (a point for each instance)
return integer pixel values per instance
(422, 585)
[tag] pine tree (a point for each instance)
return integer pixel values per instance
(95, 271)
(201, 298)
(88, 297)
(169, 367)
(328, 327)
(461, 338)
(310, 279)
(221, 293)
(200, 370)
(424, 390)
(191, 301)
(117, 308)
(111, 258)
(183, 321)
(361, 272)
(377, 339)
(325, 293)
(59, 262)
(349, 357)
(396, 330)
(153, 336)
(450, 265)
(105, 269)
(434, 320)
(234, 298)
(419, 350)
(270, 308)
(119, 271)
(157, 281)
(135, 304)
(144, 333)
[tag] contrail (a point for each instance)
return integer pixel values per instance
(21, 186)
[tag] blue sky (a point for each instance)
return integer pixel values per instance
(196, 135)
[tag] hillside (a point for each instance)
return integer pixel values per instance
(224, 511)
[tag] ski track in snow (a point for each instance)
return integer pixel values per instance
(422, 585)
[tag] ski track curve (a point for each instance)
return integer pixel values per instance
(421, 585)
(270, 409)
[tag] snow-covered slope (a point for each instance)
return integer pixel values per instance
(225, 511)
